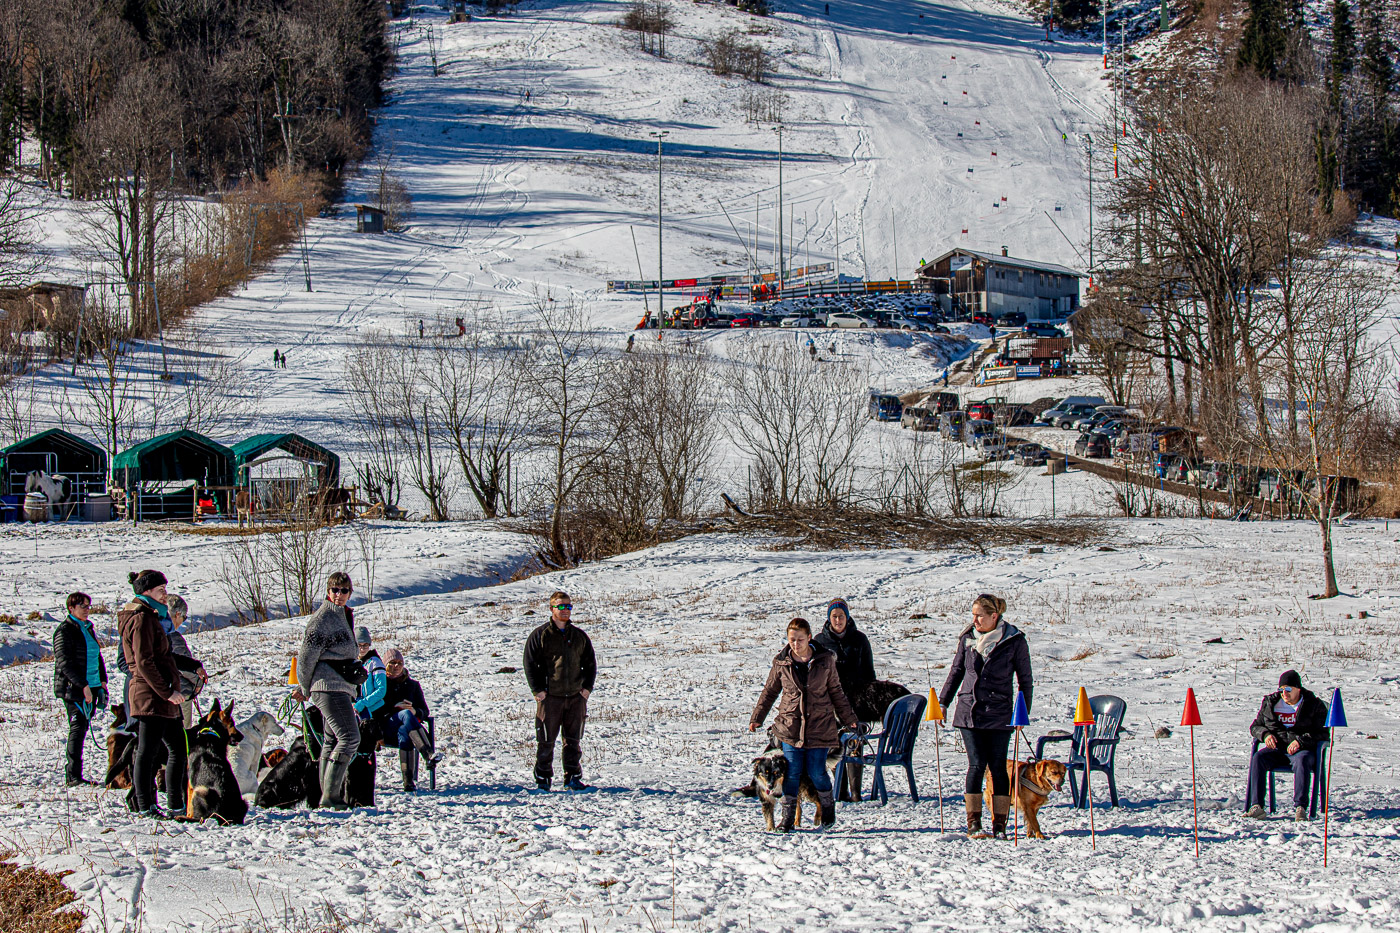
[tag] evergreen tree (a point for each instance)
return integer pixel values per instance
(1264, 44)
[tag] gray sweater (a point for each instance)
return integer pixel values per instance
(328, 638)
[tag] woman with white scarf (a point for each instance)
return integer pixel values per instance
(990, 652)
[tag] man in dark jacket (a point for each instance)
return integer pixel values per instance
(855, 663)
(401, 719)
(79, 679)
(560, 669)
(1288, 727)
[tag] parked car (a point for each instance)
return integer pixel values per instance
(1066, 404)
(939, 329)
(993, 447)
(918, 419)
(1029, 454)
(974, 431)
(1041, 329)
(981, 317)
(979, 411)
(903, 323)
(1014, 416)
(1065, 418)
(798, 320)
(944, 401)
(886, 408)
(1011, 319)
(1091, 445)
(848, 319)
(950, 425)
(744, 320)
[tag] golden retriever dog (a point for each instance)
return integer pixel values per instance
(1036, 780)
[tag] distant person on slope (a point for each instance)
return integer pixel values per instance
(990, 652)
(811, 712)
(560, 668)
(1288, 727)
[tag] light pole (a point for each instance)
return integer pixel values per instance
(1089, 148)
(782, 257)
(660, 273)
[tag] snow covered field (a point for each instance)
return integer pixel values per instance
(684, 634)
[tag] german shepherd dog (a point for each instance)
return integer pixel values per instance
(294, 778)
(769, 770)
(213, 788)
(121, 746)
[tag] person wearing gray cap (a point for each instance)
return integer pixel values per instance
(371, 699)
(1288, 727)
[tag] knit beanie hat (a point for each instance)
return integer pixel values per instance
(839, 603)
(1290, 679)
(362, 636)
(145, 581)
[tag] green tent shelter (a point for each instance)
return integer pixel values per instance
(161, 475)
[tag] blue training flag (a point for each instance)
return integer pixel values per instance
(1019, 715)
(1336, 715)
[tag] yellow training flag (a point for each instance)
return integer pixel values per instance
(292, 677)
(935, 712)
(1083, 714)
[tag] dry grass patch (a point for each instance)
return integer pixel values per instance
(36, 901)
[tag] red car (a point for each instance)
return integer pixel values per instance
(982, 317)
(979, 411)
(744, 320)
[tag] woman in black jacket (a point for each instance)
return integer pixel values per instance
(855, 663)
(990, 652)
(79, 679)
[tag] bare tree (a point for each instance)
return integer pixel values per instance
(369, 404)
(568, 379)
(1337, 372)
(109, 398)
(20, 259)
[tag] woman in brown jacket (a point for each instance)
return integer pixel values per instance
(807, 722)
(154, 695)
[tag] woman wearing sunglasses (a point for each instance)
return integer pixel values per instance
(329, 674)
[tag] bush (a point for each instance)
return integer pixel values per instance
(651, 19)
(729, 54)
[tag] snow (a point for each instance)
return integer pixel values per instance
(520, 199)
(684, 633)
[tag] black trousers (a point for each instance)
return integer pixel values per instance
(553, 715)
(79, 715)
(986, 748)
(151, 733)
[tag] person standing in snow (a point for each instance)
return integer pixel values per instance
(990, 652)
(328, 673)
(191, 681)
(1288, 727)
(855, 662)
(153, 694)
(79, 680)
(810, 713)
(276, 357)
(560, 668)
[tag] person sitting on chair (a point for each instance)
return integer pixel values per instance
(402, 719)
(1288, 727)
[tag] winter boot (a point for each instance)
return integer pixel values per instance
(973, 802)
(333, 786)
(826, 800)
(419, 737)
(789, 815)
(1001, 808)
(408, 765)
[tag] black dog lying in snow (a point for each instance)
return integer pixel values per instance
(294, 780)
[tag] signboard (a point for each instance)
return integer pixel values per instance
(958, 263)
(1027, 372)
(999, 373)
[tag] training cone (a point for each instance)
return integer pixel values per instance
(1336, 715)
(935, 711)
(1019, 715)
(1190, 715)
(1083, 713)
(292, 677)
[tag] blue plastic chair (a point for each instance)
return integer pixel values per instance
(1318, 783)
(895, 745)
(1102, 738)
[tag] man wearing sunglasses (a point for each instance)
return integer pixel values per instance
(560, 669)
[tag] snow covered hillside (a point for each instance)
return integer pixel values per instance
(684, 635)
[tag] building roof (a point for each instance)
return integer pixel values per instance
(145, 453)
(999, 259)
(55, 438)
(246, 451)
